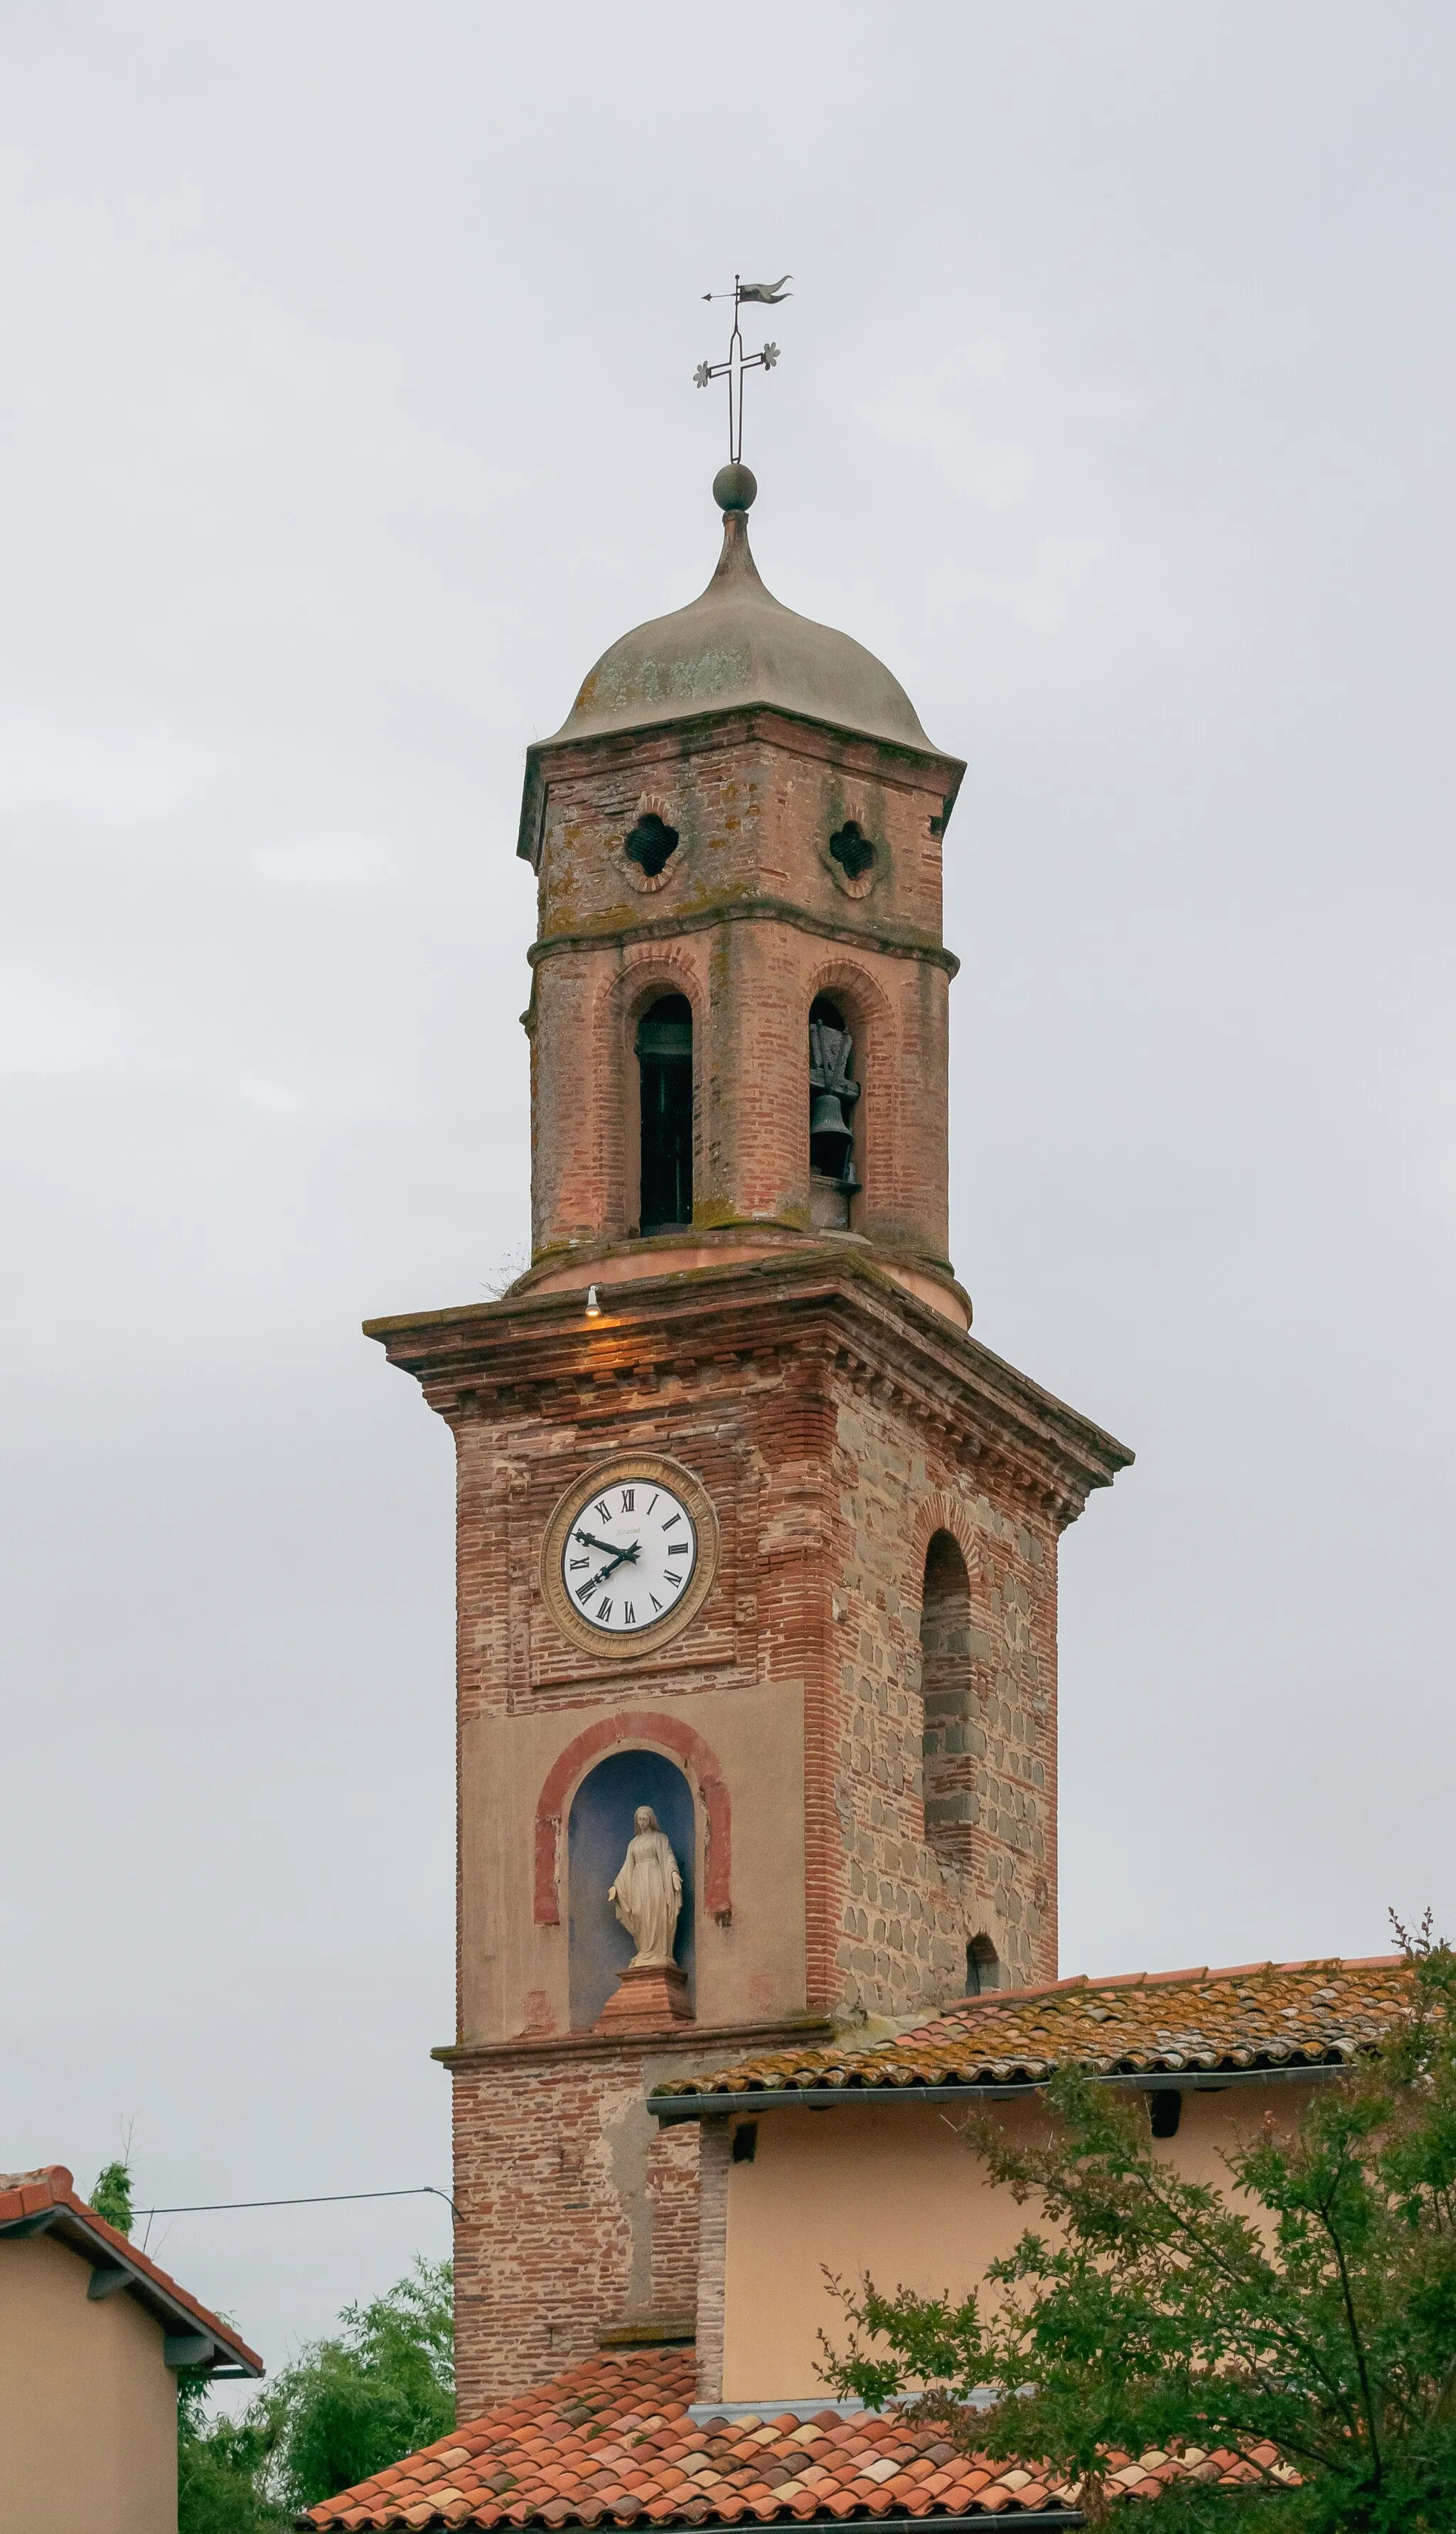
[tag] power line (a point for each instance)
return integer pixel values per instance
(310, 2200)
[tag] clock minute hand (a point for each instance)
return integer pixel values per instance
(588, 1539)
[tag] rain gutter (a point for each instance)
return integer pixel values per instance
(668, 2109)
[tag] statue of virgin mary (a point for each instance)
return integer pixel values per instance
(647, 1894)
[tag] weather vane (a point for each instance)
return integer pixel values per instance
(761, 294)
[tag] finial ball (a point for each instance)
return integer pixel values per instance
(735, 488)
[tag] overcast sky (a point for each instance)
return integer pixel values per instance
(346, 416)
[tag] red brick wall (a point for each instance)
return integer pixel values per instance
(578, 2215)
(755, 805)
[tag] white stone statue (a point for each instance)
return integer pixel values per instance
(647, 1894)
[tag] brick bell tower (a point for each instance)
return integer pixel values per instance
(751, 1530)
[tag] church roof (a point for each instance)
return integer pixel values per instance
(1255, 2016)
(736, 645)
(614, 2442)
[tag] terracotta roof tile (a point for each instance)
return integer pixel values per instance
(1253, 2016)
(536, 2462)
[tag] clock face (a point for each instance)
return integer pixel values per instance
(629, 1554)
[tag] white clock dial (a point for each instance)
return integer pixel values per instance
(628, 1555)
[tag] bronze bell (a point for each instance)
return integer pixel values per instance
(830, 1139)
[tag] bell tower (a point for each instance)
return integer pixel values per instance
(753, 1536)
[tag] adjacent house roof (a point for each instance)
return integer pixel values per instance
(45, 2203)
(1254, 2016)
(612, 2443)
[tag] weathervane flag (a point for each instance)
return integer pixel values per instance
(765, 294)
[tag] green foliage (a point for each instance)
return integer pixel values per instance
(111, 2195)
(382, 2387)
(224, 2467)
(348, 2406)
(1310, 2307)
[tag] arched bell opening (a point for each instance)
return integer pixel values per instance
(600, 1828)
(948, 1758)
(664, 1054)
(833, 1095)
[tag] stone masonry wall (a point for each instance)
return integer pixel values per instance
(908, 1914)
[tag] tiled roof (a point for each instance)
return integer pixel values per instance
(611, 2443)
(46, 2200)
(1254, 2015)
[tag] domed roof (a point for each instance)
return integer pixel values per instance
(736, 645)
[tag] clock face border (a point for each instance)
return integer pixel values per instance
(693, 1495)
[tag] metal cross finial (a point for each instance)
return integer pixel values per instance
(763, 294)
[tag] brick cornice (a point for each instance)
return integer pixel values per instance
(679, 2040)
(764, 910)
(833, 1311)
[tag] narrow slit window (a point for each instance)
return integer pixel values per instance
(664, 1053)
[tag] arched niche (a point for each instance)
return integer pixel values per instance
(598, 1830)
(949, 1759)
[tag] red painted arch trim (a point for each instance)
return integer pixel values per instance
(641, 1731)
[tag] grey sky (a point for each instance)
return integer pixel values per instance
(345, 415)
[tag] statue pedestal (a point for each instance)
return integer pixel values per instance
(647, 1996)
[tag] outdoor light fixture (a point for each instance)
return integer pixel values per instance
(594, 1306)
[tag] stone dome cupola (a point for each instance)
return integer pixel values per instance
(739, 645)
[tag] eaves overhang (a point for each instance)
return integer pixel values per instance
(668, 2109)
(194, 2338)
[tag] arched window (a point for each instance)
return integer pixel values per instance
(833, 1180)
(983, 1966)
(945, 1684)
(598, 1830)
(664, 1053)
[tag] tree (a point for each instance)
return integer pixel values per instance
(353, 2405)
(111, 2195)
(348, 2406)
(1310, 2307)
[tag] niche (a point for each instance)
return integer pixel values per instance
(947, 1758)
(664, 1053)
(598, 1830)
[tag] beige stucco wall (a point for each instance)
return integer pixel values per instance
(893, 2191)
(516, 1972)
(88, 2410)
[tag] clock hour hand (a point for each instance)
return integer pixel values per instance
(622, 1557)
